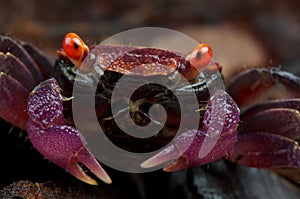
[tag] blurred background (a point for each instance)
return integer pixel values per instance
(242, 33)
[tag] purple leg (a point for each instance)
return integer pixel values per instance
(13, 97)
(266, 150)
(7, 44)
(269, 135)
(250, 83)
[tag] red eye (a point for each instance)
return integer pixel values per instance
(74, 48)
(200, 56)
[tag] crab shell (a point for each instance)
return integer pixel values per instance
(141, 65)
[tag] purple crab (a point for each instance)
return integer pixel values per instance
(25, 74)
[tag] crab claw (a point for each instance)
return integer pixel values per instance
(214, 140)
(56, 141)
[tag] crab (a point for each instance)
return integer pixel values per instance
(29, 82)
(37, 97)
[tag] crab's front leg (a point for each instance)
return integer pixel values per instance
(249, 84)
(54, 139)
(214, 140)
(269, 135)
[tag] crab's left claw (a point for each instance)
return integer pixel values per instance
(214, 140)
(56, 141)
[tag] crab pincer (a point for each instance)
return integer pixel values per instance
(54, 139)
(211, 142)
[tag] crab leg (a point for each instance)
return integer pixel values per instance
(218, 143)
(58, 142)
(289, 80)
(16, 82)
(266, 150)
(281, 121)
(9, 45)
(269, 135)
(20, 72)
(13, 97)
(273, 104)
(250, 83)
(13, 67)
(41, 60)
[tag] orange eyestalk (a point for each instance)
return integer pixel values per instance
(199, 58)
(74, 48)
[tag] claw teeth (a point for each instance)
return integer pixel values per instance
(77, 171)
(91, 163)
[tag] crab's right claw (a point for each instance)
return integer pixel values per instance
(214, 140)
(56, 141)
